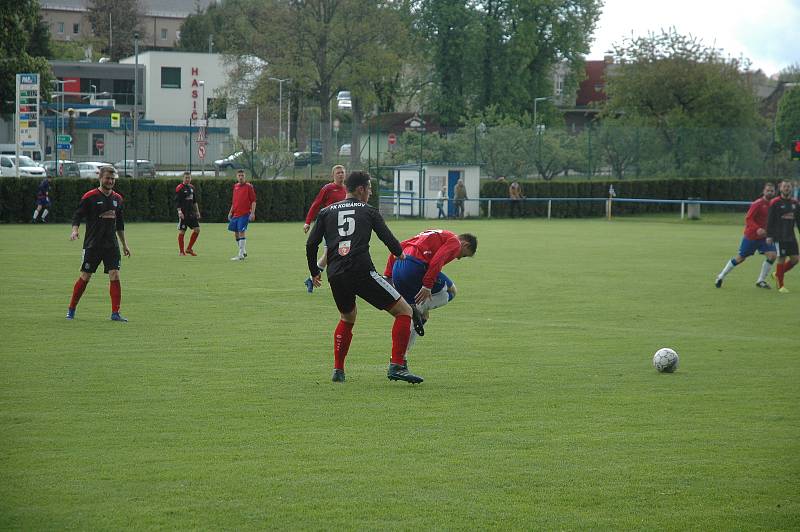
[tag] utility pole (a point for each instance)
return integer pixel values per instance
(135, 102)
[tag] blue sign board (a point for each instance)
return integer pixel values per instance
(64, 146)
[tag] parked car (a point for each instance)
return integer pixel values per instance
(343, 100)
(91, 169)
(344, 151)
(27, 168)
(65, 168)
(231, 161)
(304, 158)
(144, 168)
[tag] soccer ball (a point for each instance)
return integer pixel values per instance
(665, 360)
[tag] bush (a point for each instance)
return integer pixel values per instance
(707, 189)
(152, 200)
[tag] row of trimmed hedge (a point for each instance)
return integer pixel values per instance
(706, 189)
(152, 200)
(288, 200)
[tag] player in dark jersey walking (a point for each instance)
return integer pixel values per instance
(102, 209)
(42, 200)
(188, 214)
(781, 222)
(328, 194)
(347, 227)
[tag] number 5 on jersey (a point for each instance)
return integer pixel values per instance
(346, 223)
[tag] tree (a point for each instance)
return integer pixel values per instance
(115, 22)
(24, 39)
(787, 121)
(694, 97)
(502, 52)
(790, 74)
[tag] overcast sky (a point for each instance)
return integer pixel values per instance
(765, 31)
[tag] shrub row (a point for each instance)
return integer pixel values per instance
(706, 189)
(152, 200)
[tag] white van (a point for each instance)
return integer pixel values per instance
(34, 154)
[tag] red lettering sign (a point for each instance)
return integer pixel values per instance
(195, 71)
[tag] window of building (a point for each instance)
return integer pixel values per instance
(163, 34)
(123, 91)
(170, 77)
(60, 27)
(76, 28)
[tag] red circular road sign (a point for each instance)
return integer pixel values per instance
(201, 151)
(99, 144)
(392, 139)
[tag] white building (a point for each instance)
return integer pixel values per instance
(416, 188)
(182, 86)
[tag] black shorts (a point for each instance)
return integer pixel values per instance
(109, 256)
(786, 248)
(188, 222)
(367, 285)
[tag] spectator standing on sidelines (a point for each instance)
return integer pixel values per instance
(516, 197)
(102, 209)
(42, 200)
(328, 194)
(441, 202)
(243, 211)
(754, 239)
(188, 214)
(460, 196)
(781, 222)
(347, 227)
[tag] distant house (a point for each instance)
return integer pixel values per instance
(590, 96)
(68, 20)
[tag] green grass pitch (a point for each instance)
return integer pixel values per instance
(213, 408)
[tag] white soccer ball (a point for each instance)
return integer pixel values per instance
(665, 360)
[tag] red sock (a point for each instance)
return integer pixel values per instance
(180, 242)
(401, 332)
(193, 239)
(341, 343)
(77, 292)
(115, 289)
(788, 266)
(779, 270)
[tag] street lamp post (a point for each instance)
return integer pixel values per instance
(202, 84)
(280, 109)
(135, 103)
(535, 101)
(59, 123)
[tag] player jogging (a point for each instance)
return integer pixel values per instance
(188, 214)
(754, 239)
(42, 200)
(328, 194)
(102, 209)
(243, 211)
(781, 221)
(347, 227)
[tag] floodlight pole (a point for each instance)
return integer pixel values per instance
(135, 103)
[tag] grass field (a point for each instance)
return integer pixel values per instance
(213, 408)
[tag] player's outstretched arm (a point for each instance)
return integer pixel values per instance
(312, 247)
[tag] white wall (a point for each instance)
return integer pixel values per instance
(174, 106)
(433, 176)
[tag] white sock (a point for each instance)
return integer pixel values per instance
(765, 268)
(35, 214)
(726, 270)
(243, 244)
(44, 214)
(411, 340)
(439, 299)
(240, 243)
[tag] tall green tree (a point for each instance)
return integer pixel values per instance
(502, 52)
(114, 23)
(787, 121)
(23, 48)
(697, 99)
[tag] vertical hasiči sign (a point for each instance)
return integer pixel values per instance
(27, 125)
